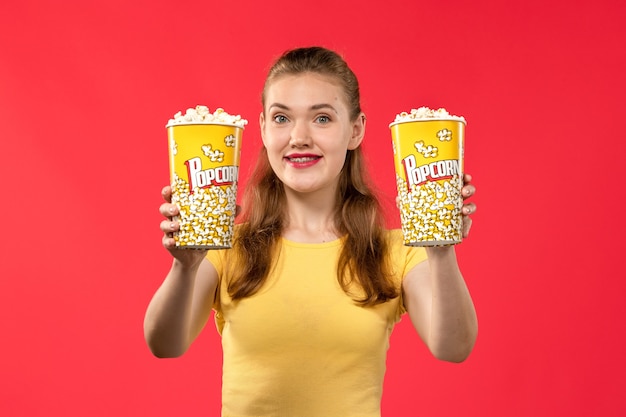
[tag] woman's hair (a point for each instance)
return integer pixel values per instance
(358, 216)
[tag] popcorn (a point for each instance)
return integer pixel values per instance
(426, 151)
(444, 135)
(426, 113)
(202, 114)
(431, 212)
(215, 155)
(206, 215)
(230, 141)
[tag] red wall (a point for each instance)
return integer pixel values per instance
(85, 92)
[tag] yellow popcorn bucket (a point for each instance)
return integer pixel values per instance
(204, 168)
(428, 155)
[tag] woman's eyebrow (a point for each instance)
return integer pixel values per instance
(323, 106)
(320, 106)
(279, 105)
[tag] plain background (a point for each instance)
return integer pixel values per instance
(86, 88)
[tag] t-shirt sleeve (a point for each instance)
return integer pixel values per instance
(219, 258)
(216, 258)
(404, 258)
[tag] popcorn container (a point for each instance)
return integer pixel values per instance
(204, 168)
(428, 155)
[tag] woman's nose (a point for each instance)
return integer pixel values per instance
(300, 135)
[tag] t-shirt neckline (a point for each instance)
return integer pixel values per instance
(312, 245)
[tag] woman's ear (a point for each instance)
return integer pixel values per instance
(358, 132)
(262, 124)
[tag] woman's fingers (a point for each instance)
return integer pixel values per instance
(168, 226)
(467, 191)
(469, 209)
(166, 192)
(467, 225)
(168, 210)
(169, 242)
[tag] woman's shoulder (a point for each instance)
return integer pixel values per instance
(394, 236)
(219, 256)
(401, 253)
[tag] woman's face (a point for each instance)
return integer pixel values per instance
(307, 131)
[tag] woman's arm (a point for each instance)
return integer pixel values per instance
(180, 308)
(182, 305)
(438, 301)
(440, 306)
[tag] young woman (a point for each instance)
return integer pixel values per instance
(307, 298)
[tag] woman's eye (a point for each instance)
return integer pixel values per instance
(323, 119)
(279, 118)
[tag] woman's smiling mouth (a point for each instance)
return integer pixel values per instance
(302, 160)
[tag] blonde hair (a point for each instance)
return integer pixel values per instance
(358, 216)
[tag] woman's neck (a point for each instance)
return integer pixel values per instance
(310, 218)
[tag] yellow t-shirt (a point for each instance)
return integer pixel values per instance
(301, 346)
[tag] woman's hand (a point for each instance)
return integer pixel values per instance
(467, 191)
(188, 257)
